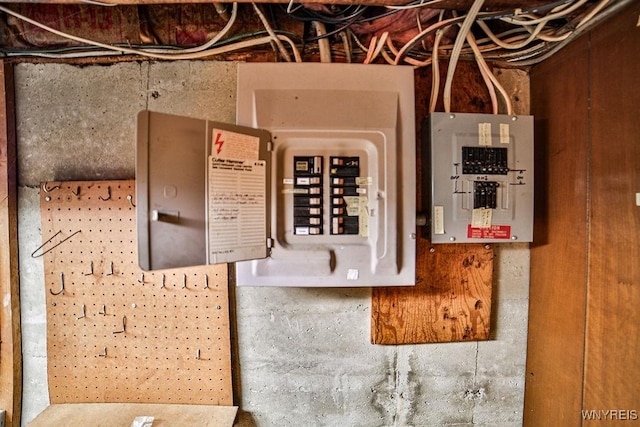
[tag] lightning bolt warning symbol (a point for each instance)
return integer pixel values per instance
(219, 142)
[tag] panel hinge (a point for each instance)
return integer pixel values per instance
(269, 146)
(269, 242)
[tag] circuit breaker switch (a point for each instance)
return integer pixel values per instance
(485, 194)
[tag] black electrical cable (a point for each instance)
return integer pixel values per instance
(337, 30)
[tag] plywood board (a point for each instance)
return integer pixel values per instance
(115, 333)
(450, 302)
(123, 414)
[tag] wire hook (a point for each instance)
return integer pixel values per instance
(90, 269)
(84, 312)
(33, 254)
(124, 326)
(130, 199)
(46, 189)
(61, 286)
(108, 195)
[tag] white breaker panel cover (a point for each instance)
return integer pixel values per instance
(343, 172)
(481, 188)
(322, 195)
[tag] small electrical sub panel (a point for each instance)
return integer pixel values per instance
(481, 178)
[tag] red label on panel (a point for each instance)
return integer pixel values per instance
(493, 232)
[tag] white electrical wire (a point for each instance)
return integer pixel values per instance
(211, 52)
(455, 53)
(323, 42)
(487, 77)
(410, 61)
(504, 45)
(413, 6)
(593, 13)
(563, 11)
(537, 33)
(435, 72)
(271, 33)
(214, 40)
(376, 47)
(403, 50)
(99, 3)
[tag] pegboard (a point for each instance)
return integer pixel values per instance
(114, 332)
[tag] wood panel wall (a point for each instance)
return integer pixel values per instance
(10, 336)
(584, 336)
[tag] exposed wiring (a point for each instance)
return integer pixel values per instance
(274, 37)
(193, 53)
(211, 52)
(489, 79)
(554, 15)
(215, 39)
(417, 38)
(529, 60)
(455, 52)
(535, 34)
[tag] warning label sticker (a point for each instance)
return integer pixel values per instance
(232, 145)
(492, 232)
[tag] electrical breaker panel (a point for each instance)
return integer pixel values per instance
(314, 187)
(481, 171)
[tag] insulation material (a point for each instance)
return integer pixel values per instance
(179, 25)
(114, 332)
(102, 24)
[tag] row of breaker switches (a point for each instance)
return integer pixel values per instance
(343, 173)
(308, 198)
(484, 160)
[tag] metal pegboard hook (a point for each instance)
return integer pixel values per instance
(47, 189)
(61, 286)
(108, 195)
(33, 254)
(124, 326)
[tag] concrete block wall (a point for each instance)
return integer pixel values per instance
(304, 355)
